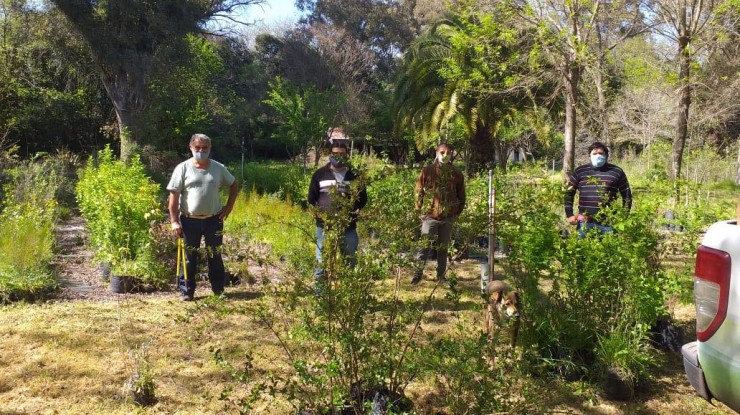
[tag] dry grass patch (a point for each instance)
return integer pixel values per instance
(74, 357)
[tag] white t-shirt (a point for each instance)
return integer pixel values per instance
(199, 189)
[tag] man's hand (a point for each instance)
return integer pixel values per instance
(573, 220)
(177, 229)
(224, 213)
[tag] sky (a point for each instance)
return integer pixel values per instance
(273, 11)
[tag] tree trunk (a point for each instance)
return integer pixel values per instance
(502, 155)
(482, 148)
(737, 175)
(127, 103)
(572, 76)
(684, 102)
(603, 125)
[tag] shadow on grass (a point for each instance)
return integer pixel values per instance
(244, 295)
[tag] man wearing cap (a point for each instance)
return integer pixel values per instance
(330, 188)
(196, 212)
(598, 183)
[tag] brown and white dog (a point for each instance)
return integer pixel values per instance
(501, 308)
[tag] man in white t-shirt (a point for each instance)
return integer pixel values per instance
(196, 212)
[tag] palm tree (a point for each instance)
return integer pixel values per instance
(475, 68)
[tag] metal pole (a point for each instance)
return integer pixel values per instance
(491, 231)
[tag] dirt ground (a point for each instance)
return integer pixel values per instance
(58, 370)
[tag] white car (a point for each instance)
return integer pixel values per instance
(712, 362)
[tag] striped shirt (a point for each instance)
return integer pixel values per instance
(596, 187)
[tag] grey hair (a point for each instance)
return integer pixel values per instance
(199, 137)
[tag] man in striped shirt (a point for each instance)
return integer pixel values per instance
(597, 184)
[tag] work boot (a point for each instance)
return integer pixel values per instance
(186, 297)
(417, 277)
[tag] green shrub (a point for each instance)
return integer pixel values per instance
(25, 257)
(476, 379)
(29, 214)
(120, 204)
(577, 290)
(624, 352)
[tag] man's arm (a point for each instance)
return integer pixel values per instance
(361, 199)
(568, 198)
(461, 194)
(313, 191)
(233, 193)
(173, 205)
(419, 191)
(625, 192)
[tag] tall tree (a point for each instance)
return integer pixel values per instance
(688, 23)
(618, 21)
(125, 37)
(567, 26)
(305, 114)
(50, 97)
(474, 64)
(384, 26)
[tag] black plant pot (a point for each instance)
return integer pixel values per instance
(617, 387)
(121, 283)
(105, 271)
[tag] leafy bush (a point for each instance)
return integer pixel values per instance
(476, 379)
(351, 337)
(578, 290)
(25, 257)
(120, 204)
(29, 214)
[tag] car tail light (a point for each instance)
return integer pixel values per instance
(711, 290)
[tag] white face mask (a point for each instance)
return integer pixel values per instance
(598, 160)
(200, 155)
(443, 158)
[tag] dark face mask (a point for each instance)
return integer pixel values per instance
(338, 159)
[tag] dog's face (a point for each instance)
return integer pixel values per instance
(507, 304)
(504, 300)
(502, 310)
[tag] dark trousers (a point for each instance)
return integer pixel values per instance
(212, 230)
(436, 236)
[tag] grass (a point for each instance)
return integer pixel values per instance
(73, 357)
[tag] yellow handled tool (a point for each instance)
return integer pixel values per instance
(181, 254)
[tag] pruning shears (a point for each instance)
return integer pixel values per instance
(181, 254)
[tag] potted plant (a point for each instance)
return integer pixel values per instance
(120, 204)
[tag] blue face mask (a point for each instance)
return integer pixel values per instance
(200, 155)
(598, 160)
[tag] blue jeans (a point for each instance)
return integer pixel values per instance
(585, 227)
(348, 247)
(212, 230)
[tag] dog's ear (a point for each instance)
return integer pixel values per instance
(496, 296)
(496, 285)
